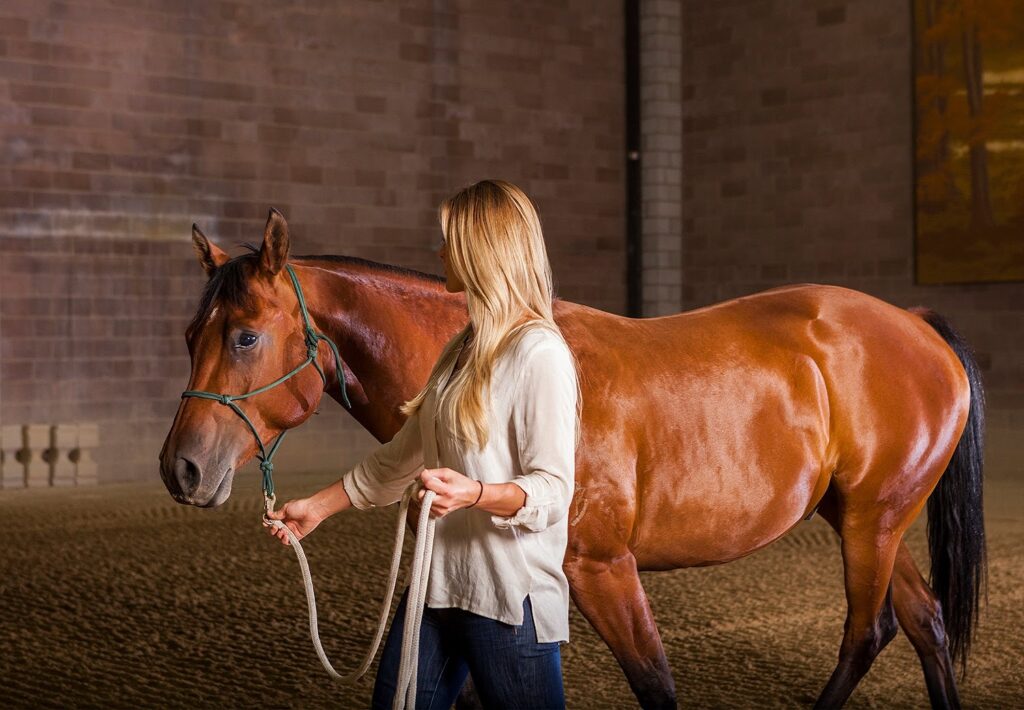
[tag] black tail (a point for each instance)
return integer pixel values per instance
(956, 528)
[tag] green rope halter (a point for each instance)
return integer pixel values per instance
(313, 339)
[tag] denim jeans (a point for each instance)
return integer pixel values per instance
(510, 668)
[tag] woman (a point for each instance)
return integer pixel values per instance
(499, 454)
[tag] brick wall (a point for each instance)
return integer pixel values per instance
(122, 123)
(797, 146)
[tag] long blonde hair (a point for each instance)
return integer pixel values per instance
(496, 248)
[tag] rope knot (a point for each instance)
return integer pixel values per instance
(267, 468)
(312, 342)
(224, 399)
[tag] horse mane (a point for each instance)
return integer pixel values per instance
(374, 265)
(228, 285)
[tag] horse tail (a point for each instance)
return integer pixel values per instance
(956, 528)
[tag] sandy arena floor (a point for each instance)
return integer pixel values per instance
(118, 597)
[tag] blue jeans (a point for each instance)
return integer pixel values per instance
(510, 668)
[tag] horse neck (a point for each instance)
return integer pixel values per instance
(389, 327)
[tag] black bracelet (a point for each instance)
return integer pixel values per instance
(481, 495)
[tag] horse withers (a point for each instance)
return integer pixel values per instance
(705, 436)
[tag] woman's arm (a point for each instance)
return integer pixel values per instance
(544, 417)
(455, 490)
(303, 515)
(379, 479)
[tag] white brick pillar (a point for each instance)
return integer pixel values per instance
(12, 442)
(661, 129)
(63, 441)
(37, 444)
(86, 470)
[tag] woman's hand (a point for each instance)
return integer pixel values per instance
(301, 516)
(453, 489)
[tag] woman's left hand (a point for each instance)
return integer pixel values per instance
(454, 490)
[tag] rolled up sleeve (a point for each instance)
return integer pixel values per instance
(381, 477)
(544, 418)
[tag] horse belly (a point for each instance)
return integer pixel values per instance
(726, 523)
(740, 473)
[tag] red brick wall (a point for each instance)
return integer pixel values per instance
(797, 146)
(122, 123)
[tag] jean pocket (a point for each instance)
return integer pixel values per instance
(538, 650)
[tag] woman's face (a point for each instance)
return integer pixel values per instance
(452, 282)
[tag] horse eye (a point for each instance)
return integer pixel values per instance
(247, 340)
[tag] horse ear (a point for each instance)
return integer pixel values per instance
(274, 252)
(210, 255)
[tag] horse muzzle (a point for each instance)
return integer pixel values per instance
(191, 483)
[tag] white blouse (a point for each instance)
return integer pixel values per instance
(485, 563)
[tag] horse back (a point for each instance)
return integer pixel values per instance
(709, 434)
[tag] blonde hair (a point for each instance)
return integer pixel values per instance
(496, 248)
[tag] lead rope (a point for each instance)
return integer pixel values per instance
(405, 692)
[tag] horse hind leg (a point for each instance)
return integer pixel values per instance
(920, 617)
(869, 552)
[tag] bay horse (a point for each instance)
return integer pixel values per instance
(706, 435)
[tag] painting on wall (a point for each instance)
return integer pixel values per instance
(969, 140)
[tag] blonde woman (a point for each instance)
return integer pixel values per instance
(503, 403)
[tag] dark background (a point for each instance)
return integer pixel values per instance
(122, 123)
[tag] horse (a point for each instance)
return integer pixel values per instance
(705, 436)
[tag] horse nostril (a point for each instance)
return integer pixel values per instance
(188, 475)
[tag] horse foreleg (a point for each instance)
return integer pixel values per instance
(921, 618)
(611, 597)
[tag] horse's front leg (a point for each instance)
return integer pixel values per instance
(609, 594)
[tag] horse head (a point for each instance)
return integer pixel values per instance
(248, 331)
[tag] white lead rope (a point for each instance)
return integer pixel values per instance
(405, 693)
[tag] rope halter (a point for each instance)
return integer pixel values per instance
(313, 339)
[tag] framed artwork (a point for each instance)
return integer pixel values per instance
(968, 141)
